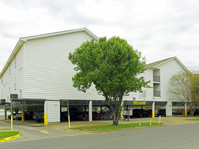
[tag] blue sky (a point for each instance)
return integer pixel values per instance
(159, 29)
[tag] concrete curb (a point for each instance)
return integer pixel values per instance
(10, 138)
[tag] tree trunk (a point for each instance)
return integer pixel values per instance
(115, 109)
(192, 109)
(116, 113)
(115, 123)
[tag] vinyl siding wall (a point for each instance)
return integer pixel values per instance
(166, 72)
(147, 93)
(48, 72)
(13, 77)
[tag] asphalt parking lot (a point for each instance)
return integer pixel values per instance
(31, 130)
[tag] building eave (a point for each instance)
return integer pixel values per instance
(12, 56)
(22, 40)
(61, 33)
(178, 61)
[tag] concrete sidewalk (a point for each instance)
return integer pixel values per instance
(177, 120)
(168, 121)
(37, 131)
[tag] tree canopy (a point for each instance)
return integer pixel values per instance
(185, 87)
(113, 66)
(180, 86)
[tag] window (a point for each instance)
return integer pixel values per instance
(15, 86)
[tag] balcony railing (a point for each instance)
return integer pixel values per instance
(156, 93)
(156, 78)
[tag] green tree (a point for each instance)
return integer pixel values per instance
(180, 87)
(194, 92)
(184, 87)
(113, 66)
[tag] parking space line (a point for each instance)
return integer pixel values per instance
(45, 132)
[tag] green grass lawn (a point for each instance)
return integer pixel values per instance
(6, 134)
(4, 129)
(194, 119)
(111, 127)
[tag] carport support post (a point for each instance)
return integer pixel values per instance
(11, 115)
(46, 113)
(153, 109)
(185, 109)
(68, 114)
(100, 109)
(90, 110)
(22, 115)
(5, 114)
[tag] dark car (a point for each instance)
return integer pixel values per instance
(149, 113)
(108, 115)
(74, 114)
(140, 113)
(162, 112)
(39, 116)
(196, 112)
(85, 116)
(27, 116)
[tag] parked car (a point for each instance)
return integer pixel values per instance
(85, 116)
(149, 113)
(27, 116)
(196, 112)
(39, 116)
(14, 116)
(75, 114)
(19, 115)
(162, 112)
(140, 113)
(108, 115)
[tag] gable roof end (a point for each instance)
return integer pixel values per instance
(154, 65)
(22, 40)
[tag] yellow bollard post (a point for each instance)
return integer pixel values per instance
(159, 119)
(121, 115)
(5, 114)
(45, 119)
(185, 109)
(185, 113)
(22, 117)
(68, 121)
(5, 117)
(11, 122)
(140, 123)
(150, 122)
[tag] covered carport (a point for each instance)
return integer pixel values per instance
(83, 106)
(150, 106)
(24, 106)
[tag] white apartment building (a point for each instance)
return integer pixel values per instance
(159, 74)
(39, 72)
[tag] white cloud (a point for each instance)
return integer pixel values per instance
(159, 29)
